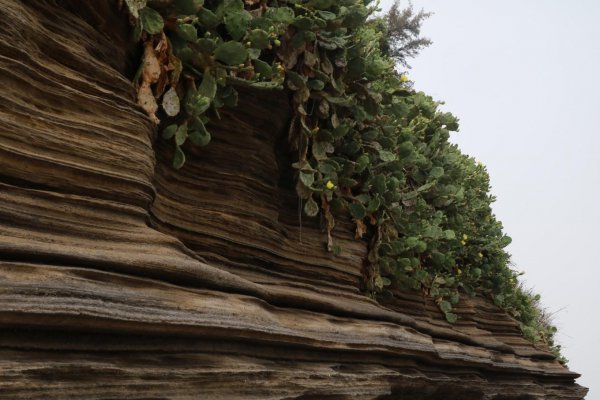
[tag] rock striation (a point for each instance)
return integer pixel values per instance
(122, 278)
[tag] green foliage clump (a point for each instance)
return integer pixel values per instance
(401, 32)
(367, 144)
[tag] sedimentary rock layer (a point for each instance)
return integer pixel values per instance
(122, 278)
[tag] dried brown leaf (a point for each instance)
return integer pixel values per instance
(361, 229)
(171, 103)
(288, 53)
(152, 69)
(150, 74)
(330, 221)
(161, 85)
(147, 100)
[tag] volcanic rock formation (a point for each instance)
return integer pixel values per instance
(123, 278)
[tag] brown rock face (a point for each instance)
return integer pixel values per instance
(122, 278)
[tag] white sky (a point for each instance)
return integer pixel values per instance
(523, 76)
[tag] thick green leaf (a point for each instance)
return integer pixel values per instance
(185, 54)
(341, 131)
(169, 131)
(357, 210)
(386, 156)
(208, 87)
(181, 134)
(316, 84)
(302, 23)
(361, 163)
(337, 205)
(228, 6)
(179, 158)
(449, 234)
(200, 137)
(374, 204)
(258, 38)
(303, 165)
(437, 258)
(303, 191)
(229, 96)
(266, 85)
(197, 132)
(498, 299)
(356, 68)
(326, 15)
(355, 18)
(206, 46)
(451, 317)
(445, 306)
(187, 32)
(196, 104)
(187, 7)
(340, 101)
(231, 53)
(322, 4)
(320, 150)
(265, 70)
(311, 208)
(411, 241)
(505, 241)
(254, 53)
(307, 178)
(436, 172)
(207, 18)
(135, 6)
(237, 23)
(297, 81)
(405, 149)
(363, 198)
(152, 21)
(136, 33)
(379, 184)
(282, 15)
(420, 275)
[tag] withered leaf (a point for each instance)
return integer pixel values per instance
(150, 74)
(171, 103)
(361, 229)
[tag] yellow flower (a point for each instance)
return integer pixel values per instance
(463, 242)
(480, 255)
(403, 78)
(329, 185)
(465, 237)
(459, 271)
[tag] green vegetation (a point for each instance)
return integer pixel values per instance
(367, 144)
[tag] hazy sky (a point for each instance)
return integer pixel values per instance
(523, 77)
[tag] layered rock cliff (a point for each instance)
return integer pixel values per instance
(123, 278)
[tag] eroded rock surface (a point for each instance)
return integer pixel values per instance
(122, 278)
